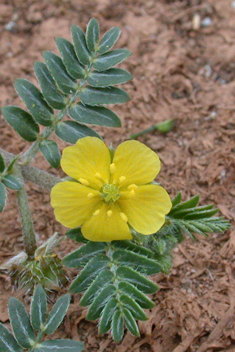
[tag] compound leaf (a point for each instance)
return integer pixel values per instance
(99, 302)
(20, 323)
(51, 152)
(109, 39)
(71, 131)
(33, 99)
(22, 122)
(136, 294)
(110, 59)
(95, 115)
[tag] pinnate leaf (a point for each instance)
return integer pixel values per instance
(79, 40)
(109, 77)
(109, 39)
(99, 96)
(110, 59)
(92, 34)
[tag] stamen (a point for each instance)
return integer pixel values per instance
(96, 212)
(112, 168)
(109, 213)
(132, 193)
(83, 181)
(122, 179)
(132, 187)
(90, 195)
(124, 217)
(98, 175)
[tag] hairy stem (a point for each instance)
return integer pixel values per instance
(33, 174)
(26, 219)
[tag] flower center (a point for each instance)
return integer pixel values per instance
(109, 193)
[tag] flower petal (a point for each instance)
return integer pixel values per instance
(146, 209)
(88, 162)
(106, 224)
(134, 163)
(73, 203)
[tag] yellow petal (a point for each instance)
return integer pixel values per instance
(73, 203)
(146, 209)
(88, 162)
(135, 163)
(106, 224)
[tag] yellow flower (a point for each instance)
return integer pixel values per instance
(112, 193)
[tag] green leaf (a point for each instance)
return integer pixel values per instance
(98, 304)
(109, 77)
(12, 182)
(12, 163)
(38, 308)
(76, 235)
(92, 34)
(130, 323)
(133, 307)
(177, 199)
(136, 294)
(104, 278)
(110, 59)
(74, 68)
(56, 67)
(57, 314)
(3, 197)
(80, 46)
(94, 115)
(139, 281)
(51, 152)
(81, 256)
(7, 341)
(89, 273)
(109, 39)
(60, 345)
(71, 131)
(52, 95)
(107, 314)
(117, 327)
(99, 96)
(33, 99)
(22, 122)
(140, 263)
(20, 323)
(2, 164)
(191, 203)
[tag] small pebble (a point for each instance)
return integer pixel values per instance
(11, 27)
(206, 22)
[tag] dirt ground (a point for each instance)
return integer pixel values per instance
(183, 65)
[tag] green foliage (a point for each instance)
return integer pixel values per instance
(78, 83)
(29, 331)
(113, 277)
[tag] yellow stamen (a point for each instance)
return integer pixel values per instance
(112, 168)
(122, 179)
(83, 181)
(96, 212)
(98, 175)
(90, 195)
(132, 187)
(109, 213)
(124, 217)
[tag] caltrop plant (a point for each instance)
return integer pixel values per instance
(125, 223)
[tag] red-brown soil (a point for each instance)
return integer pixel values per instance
(180, 71)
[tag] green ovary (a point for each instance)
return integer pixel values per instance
(109, 193)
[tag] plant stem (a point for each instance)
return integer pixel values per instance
(26, 220)
(33, 174)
